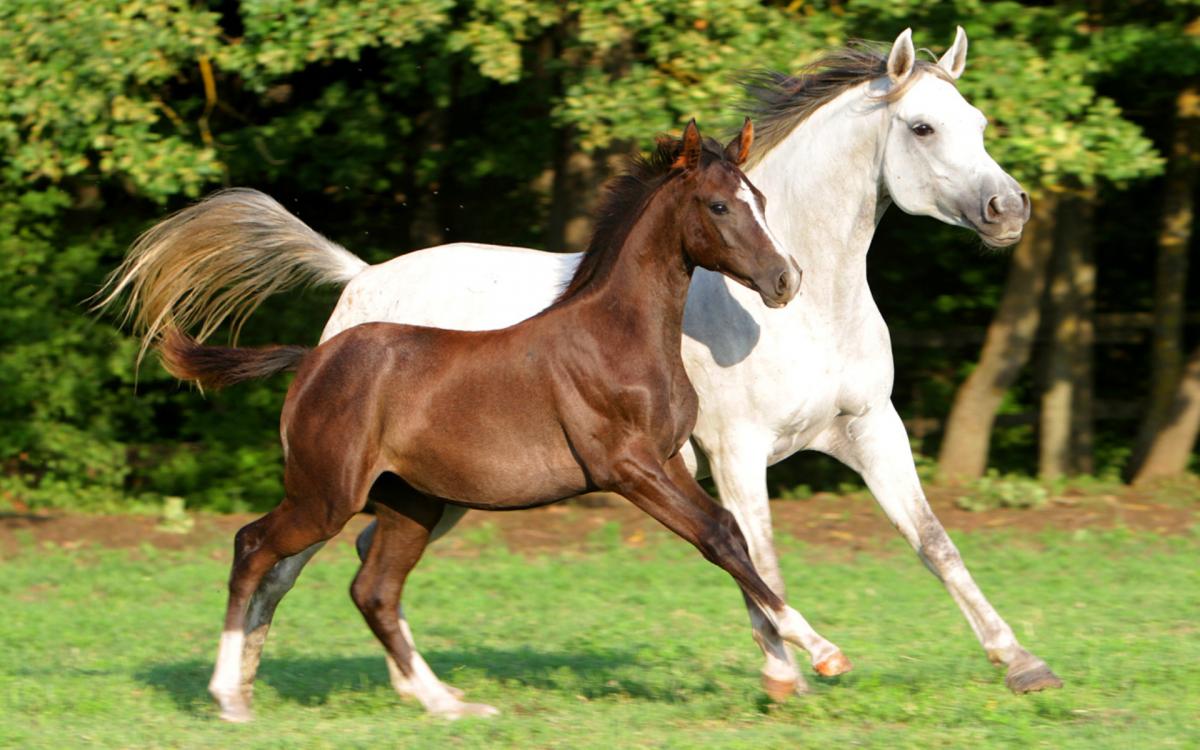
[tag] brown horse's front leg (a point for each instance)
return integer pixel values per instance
(673, 498)
(827, 659)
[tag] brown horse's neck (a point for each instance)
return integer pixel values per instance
(648, 277)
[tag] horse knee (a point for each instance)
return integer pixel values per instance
(722, 540)
(248, 567)
(247, 539)
(370, 598)
(936, 548)
(730, 527)
(362, 592)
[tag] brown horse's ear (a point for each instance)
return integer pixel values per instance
(739, 148)
(689, 150)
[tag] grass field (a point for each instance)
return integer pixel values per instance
(613, 647)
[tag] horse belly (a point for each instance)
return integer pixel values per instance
(498, 473)
(487, 436)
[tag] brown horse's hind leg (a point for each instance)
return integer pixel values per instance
(261, 610)
(404, 526)
(451, 515)
(257, 548)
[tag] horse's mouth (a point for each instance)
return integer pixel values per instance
(999, 241)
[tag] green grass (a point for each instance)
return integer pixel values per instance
(613, 648)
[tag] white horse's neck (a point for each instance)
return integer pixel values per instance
(824, 197)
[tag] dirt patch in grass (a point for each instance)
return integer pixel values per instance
(847, 522)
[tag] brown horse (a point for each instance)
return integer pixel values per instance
(589, 395)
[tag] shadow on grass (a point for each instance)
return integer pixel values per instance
(309, 681)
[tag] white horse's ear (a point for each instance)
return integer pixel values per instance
(955, 58)
(902, 58)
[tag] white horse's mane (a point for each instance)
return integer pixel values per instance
(778, 102)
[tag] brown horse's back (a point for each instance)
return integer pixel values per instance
(461, 416)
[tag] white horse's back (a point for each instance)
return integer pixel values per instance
(465, 286)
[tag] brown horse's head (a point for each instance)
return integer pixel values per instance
(723, 218)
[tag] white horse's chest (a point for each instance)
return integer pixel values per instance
(785, 375)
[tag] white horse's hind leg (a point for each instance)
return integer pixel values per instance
(739, 470)
(876, 445)
(274, 585)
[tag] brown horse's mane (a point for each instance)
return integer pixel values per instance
(623, 200)
(778, 102)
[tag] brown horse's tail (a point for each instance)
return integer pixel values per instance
(219, 366)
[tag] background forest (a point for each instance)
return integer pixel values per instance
(391, 125)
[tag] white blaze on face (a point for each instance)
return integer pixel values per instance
(746, 195)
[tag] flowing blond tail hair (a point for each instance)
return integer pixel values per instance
(217, 260)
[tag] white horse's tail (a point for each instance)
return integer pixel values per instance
(220, 259)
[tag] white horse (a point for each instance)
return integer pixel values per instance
(836, 146)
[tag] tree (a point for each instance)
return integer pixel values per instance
(392, 124)
(388, 124)
(1168, 431)
(1005, 351)
(1065, 435)
(1072, 137)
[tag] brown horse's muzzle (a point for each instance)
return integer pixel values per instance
(779, 286)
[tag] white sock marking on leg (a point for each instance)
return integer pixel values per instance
(226, 679)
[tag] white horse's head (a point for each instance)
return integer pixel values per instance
(934, 161)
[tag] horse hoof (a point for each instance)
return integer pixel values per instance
(456, 692)
(781, 690)
(1030, 677)
(833, 666)
(234, 710)
(459, 710)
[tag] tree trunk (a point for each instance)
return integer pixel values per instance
(1005, 350)
(577, 176)
(426, 227)
(1065, 436)
(576, 183)
(1170, 284)
(1172, 446)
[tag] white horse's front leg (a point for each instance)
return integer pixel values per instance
(739, 466)
(876, 445)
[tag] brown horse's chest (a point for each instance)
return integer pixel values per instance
(664, 407)
(684, 405)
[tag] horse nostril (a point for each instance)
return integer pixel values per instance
(782, 284)
(992, 210)
(1025, 205)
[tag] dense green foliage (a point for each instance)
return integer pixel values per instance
(389, 124)
(618, 647)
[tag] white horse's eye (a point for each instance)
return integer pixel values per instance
(718, 208)
(922, 130)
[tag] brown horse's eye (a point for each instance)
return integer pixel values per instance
(718, 208)
(922, 130)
